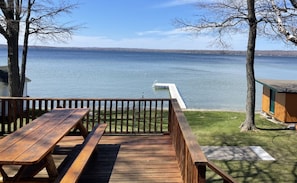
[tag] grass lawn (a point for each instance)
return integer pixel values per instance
(215, 128)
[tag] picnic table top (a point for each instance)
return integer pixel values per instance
(31, 143)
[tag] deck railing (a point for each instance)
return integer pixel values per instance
(191, 159)
(124, 116)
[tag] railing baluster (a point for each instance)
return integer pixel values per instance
(93, 113)
(69, 104)
(116, 116)
(3, 114)
(52, 104)
(88, 117)
(58, 103)
(21, 113)
(75, 103)
(162, 112)
(99, 111)
(156, 115)
(33, 109)
(144, 116)
(110, 115)
(46, 105)
(122, 116)
(150, 116)
(104, 117)
(27, 111)
(63, 104)
(133, 116)
(40, 107)
(127, 116)
(139, 114)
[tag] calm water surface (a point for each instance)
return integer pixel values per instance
(204, 81)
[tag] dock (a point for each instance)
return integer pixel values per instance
(173, 91)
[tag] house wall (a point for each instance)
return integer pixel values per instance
(265, 99)
(291, 112)
(3, 89)
(285, 105)
(280, 107)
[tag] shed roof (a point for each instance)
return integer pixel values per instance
(4, 75)
(281, 86)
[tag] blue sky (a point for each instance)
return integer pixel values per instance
(142, 24)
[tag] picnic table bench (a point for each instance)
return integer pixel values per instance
(74, 171)
(32, 145)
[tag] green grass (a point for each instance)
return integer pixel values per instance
(215, 128)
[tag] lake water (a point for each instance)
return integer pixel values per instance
(205, 81)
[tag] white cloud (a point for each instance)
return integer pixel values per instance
(150, 42)
(156, 39)
(162, 33)
(169, 40)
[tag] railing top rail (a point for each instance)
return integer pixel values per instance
(224, 175)
(106, 99)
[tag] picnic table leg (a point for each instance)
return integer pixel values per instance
(82, 129)
(51, 167)
(29, 171)
(3, 173)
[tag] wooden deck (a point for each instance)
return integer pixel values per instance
(133, 159)
(176, 157)
(124, 159)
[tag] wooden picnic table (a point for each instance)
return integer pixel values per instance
(32, 145)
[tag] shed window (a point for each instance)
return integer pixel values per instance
(272, 101)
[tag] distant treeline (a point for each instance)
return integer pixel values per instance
(225, 52)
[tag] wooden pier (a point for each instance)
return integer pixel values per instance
(173, 91)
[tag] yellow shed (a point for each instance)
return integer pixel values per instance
(279, 99)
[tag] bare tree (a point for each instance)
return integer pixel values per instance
(25, 18)
(249, 123)
(224, 18)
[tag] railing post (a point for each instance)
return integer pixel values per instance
(201, 177)
(170, 116)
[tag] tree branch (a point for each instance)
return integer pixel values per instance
(4, 8)
(281, 27)
(294, 3)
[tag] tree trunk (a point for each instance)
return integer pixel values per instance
(13, 64)
(12, 18)
(25, 47)
(249, 123)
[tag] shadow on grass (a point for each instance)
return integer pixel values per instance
(273, 129)
(222, 129)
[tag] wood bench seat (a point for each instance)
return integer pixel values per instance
(75, 170)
